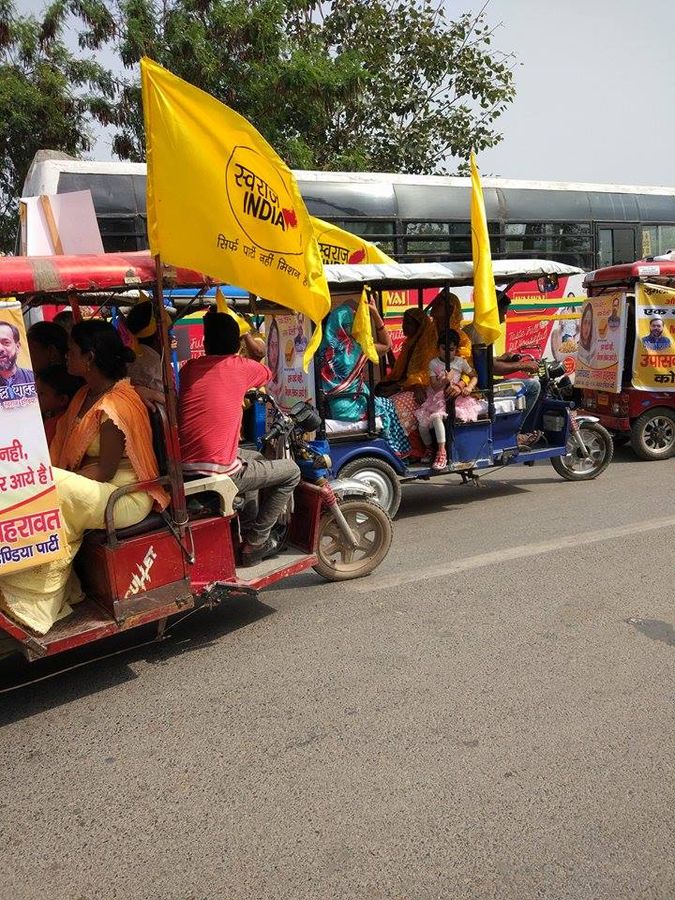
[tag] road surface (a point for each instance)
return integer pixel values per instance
(492, 715)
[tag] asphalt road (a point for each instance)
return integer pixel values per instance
(490, 716)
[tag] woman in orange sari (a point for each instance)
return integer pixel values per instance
(408, 380)
(102, 442)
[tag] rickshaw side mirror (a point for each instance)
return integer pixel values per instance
(547, 283)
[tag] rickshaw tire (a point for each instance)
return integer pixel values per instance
(606, 438)
(325, 570)
(637, 434)
(376, 465)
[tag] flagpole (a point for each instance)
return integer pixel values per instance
(174, 467)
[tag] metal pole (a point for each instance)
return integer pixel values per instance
(175, 471)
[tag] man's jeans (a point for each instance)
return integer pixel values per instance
(531, 389)
(277, 478)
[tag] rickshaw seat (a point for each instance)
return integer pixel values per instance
(152, 522)
(216, 484)
(337, 427)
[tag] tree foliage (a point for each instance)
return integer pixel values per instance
(48, 96)
(379, 85)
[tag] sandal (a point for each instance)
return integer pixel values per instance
(440, 463)
(530, 439)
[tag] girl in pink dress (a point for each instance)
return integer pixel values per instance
(443, 384)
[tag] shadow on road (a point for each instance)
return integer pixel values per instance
(95, 668)
(434, 496)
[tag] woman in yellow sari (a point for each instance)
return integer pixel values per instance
(102, 442)
(448, 318)
(408, 380)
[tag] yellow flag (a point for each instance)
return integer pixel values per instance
(362, 330)
(340, 246)
(485, 316)
(222, 202)
(222, 307)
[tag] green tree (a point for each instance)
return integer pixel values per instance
(380, 85)
(47, 98)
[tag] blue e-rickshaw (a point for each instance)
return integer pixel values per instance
(578, 448)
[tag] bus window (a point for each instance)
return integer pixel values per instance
(657, 239)
(616, 245)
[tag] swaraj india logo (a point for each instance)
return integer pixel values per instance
(262, 202)
(333, 254)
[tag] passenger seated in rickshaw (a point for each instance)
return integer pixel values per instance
(448, 316)
(408, 380)
(55, 388)
(210, 407)
(47, 345)
(102, 442)
(344, 374)
(145, 372)
(457, 381)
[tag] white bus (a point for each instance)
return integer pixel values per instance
(415, 218)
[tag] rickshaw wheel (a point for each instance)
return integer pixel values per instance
(575, 467)
(653, 434)
(380, 476)
(338, 561)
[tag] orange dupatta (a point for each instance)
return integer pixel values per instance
(123, 406)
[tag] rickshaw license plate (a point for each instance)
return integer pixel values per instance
(603, 400)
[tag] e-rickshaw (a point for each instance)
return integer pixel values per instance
(579, 448)
(644, 413)
(187, 557)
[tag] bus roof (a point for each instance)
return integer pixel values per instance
(393, 275)
(46, 160)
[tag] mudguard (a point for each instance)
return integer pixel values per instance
(350, 487)
(584, 418)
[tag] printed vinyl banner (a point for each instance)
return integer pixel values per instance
(30, 518)
(654, 354)
(602, 328)
(287, 339)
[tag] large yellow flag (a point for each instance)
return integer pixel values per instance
(221, 201)
(338, 246)
(486, 315)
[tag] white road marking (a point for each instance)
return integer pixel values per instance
(377, 583)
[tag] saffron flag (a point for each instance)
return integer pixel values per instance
(362, 330)
(486, 315)
(222, 307)
(220, 200)
(338, 246)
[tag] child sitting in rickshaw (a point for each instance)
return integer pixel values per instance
(457, 381)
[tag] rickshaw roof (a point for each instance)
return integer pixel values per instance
(392, 275)
(662, 270)
(50, 275)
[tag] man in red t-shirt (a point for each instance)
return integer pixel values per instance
(210, 405)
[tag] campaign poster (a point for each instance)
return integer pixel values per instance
(602, 329)
(654, 354)
(31, 530)
(287, 337)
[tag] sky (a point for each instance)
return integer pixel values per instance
(595, 81)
